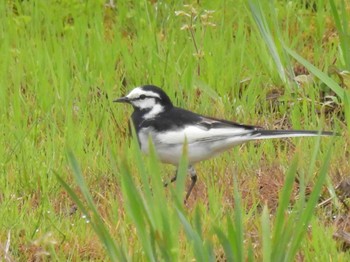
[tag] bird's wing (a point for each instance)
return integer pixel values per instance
(212, 123)
(204, 129)
(180, 125)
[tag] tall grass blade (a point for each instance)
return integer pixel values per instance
(347, 109)
(266, 235)
(137, 211)
(302, 223)
(282, 232)
(238, 222)
(200, 252)
(114, 253)
(233, 241)
(140, 164)
(342, 24)
(180, 180)
(318, 73)
(225, 243)
(260, 20)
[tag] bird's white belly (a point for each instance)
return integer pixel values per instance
(196, 151)
(167, 153)
(173, 154)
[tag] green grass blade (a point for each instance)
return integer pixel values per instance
(238, 222)
(260, 20)
(115, 253)
(266, 235)
(306, 214)
(225, 243)
(137, 211)
(233, 241)
(181, 176)
(282, 232)
(342, 25)
(284, 199)
(200, 252)
(318, 73)
(347, 109)
(139, 162)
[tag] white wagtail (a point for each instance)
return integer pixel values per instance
(171, 127)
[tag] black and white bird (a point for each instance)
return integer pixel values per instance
(171, 127)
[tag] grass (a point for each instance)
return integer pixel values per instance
(75, 187)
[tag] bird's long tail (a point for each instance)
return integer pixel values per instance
(266, 134)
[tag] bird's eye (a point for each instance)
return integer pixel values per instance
(142, 96)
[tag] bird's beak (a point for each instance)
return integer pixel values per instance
(123, 99)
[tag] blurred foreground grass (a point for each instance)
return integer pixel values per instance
(63, 62)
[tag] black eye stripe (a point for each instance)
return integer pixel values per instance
(141, 97)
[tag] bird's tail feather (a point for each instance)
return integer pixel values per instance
(266, 134)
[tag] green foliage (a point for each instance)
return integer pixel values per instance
(333, 85)
(342, 25)
(257, 11)
(115, 252)
(63, 62)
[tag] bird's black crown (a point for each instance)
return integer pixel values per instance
(164, 98)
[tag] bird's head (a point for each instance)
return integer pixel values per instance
(150, 99)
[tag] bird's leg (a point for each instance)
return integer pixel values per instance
(173, 179)
(193, 176)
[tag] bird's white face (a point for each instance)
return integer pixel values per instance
(145, 100)
(142, 99)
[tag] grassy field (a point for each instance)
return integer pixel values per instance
(73, 184)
